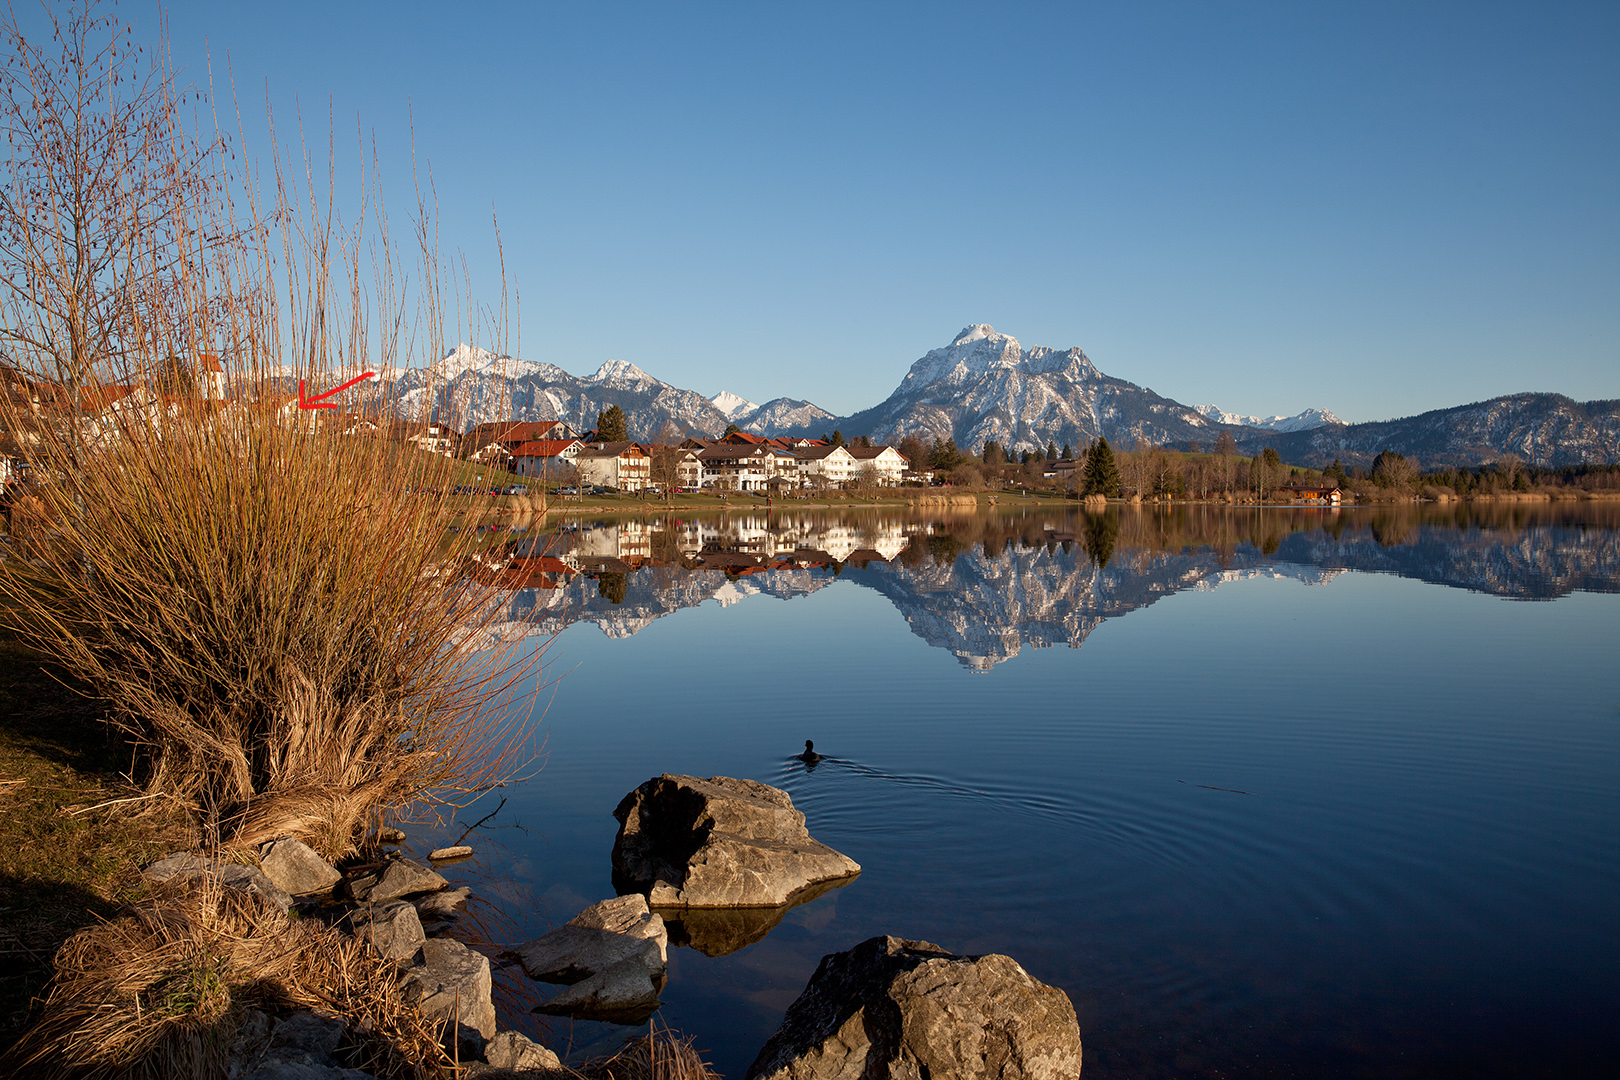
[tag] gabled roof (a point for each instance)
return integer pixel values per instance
(867, 453)
(624, 448)
(818, 453)
(544, 447)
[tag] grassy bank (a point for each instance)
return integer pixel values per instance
(67, 860)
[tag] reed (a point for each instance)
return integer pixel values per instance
(162, 994)
(268, 597)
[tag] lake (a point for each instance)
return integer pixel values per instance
(1266, 792)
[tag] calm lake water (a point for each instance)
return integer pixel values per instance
(1267, 793)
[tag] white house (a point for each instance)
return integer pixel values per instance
(621, 465)
(545, 457)
(888, 462)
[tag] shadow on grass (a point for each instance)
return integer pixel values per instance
(64, 864)
(36, 916)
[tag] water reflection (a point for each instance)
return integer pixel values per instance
(985, 585)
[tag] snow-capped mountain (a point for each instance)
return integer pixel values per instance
(732, 406)
(985, 385)
(1304, 421)
(473, 386)
(775, 417)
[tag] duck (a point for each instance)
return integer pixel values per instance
(809, 757)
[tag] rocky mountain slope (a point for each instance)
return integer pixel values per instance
(1304, 421)
(1542, 429)
(985, 385)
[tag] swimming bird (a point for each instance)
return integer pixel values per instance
(809, 757)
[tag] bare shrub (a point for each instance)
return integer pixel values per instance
(277, 611)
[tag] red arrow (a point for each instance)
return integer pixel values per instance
(316, 402)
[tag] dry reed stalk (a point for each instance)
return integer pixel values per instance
(161, 994)
(272, 603)
(657, 1055)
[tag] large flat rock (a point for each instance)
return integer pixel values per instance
(295, 868)
(685, 842)
(594, 940)
(891, 1009)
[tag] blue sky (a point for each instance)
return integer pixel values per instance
(1372, 208)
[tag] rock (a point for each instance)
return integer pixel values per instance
(387, 835)
(300, 1047)
(595, 940)
(250, 879)
(453, 982)
(296, 869)
(720, 842)
(442, 905)
(393, 928)
(180, 865)
(458, 852)
(186, 866)
(394, 879)
(890, 1008)
(314, 1033)
(509, 1050)
(625, 993)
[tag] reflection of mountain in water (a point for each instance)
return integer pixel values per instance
(985, 586)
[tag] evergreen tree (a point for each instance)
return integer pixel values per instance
(837, 438)
(1066, 453)
(611, 426)
(992, 452)
(1051, 450)
(732, 429)
(1102, 471)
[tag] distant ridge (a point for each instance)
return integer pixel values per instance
(985, 385)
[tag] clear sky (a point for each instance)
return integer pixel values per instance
(1372, 208)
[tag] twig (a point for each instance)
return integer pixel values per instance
(479, 822)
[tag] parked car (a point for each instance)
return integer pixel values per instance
(515, 489)
(567, 491)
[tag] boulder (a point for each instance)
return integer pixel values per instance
(393, 928)
(394, 879)
(248, 879)
(595, 940)
(890, 1008)
(299, 1047)
(453, 983)
(296, 869)
(509, 1050)
(720, 842)
(624, 993)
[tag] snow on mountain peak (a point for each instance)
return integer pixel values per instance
(1308, 420)
(975, 333)
(732, 405)
(620, 371)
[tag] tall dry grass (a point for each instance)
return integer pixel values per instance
(162, 993)
(272, 605)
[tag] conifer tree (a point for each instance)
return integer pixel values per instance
(1102, 471)
(611, 425)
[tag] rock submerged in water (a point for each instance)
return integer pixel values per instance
(685, 842)
(891, 1008)
(613, 955)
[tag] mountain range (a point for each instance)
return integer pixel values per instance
(985, 385)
